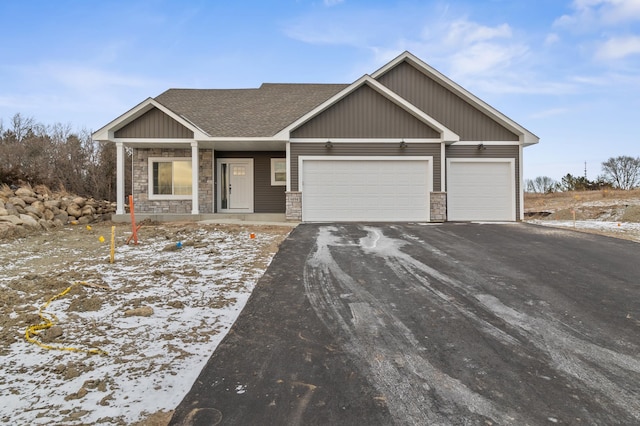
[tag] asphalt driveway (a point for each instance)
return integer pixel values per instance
(432, 324)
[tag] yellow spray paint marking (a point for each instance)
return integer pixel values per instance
(34, 330)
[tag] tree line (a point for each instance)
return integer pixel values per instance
(58, 157)
(621, 172)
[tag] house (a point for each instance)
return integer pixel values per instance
(402, 144)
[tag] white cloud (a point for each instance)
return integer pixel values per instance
(619, 48)
(82, 77)
(589, 15)
(550, 112)
(551, 38)
(330, 3)
(483, 58)
(465, 32)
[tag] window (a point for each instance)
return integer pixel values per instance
(278, 171)
(170, 178)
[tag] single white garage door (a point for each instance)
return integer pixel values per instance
(347, 189)
(481, 189)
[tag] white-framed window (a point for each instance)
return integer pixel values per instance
(278, 171)
(170, 178)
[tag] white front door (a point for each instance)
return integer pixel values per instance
(235, 185)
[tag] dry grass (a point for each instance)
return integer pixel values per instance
(607, 204)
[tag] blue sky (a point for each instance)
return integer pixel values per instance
(569, 71)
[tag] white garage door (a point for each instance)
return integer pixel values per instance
(382, 189)
(480, 190)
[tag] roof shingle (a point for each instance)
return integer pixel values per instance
(260, 112)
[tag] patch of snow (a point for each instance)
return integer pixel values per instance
(152, 361)
(629, 229)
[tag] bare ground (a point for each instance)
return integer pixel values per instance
(38, 267)
(606, 205)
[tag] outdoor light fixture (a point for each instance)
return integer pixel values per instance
(403, 145)
(328, 145)
(481, 147)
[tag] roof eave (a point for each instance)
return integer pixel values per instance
(527, 137)
(107, 132)
(445, 133)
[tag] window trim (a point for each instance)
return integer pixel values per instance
(153, 196)
(275, 182)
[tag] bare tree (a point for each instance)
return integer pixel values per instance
(541, 184)
(623, 171)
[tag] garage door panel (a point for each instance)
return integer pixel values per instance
(365, 190)
(480, 190)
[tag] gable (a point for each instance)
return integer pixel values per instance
(364, 113)
(445, 106)
(154, 124)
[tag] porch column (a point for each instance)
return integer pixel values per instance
(119, 178)
(195, 167)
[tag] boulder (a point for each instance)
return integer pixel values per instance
(48, 215)
(11, 209)
(3, 211)
(29, 221)
(63, 217)
(25, 192)
(52, 204)
(1, 204)
(64, 203)
(33, 212)
(39, 205)
(17, 201)
(46, 225)
(7, 229)
(29, 200)
(74, 210)
(80, 201)
(11, 219)
(85, 220)
(88, 210)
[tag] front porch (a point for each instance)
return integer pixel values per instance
(277, 219)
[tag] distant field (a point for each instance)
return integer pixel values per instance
(609, 205)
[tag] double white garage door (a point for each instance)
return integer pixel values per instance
(389, 189)
(372, 189)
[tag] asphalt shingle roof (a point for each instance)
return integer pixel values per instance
(260, 112)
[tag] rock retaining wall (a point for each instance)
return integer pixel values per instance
(28, 209)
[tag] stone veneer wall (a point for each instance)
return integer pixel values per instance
(141, 182)
(293, 205)
(438, 207)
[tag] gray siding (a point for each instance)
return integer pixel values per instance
(495, 151)
(365, 114)
(446, 107)
(266, 198)
(363, 149)
(154, 124)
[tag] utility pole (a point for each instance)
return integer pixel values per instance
(585, 171)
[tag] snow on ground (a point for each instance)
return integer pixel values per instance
(196, 292)
(628, 230)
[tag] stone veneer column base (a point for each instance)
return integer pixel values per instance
(438, 202)
(293, 205)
